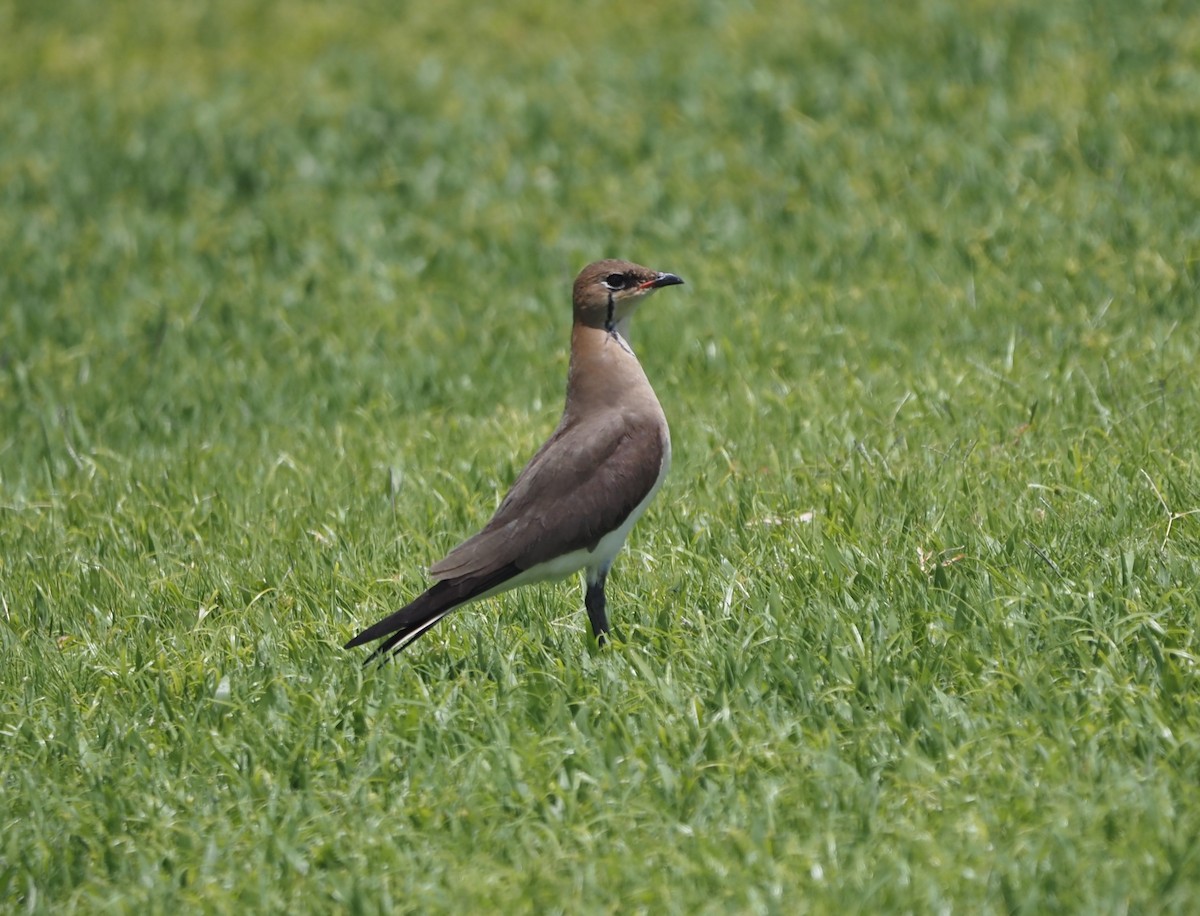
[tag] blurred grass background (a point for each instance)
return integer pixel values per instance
(284, 308)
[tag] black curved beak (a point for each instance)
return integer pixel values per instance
(664, 280)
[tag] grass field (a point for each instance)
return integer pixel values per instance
(284, 301)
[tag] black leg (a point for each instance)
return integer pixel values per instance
(593, 600)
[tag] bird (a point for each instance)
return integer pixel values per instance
(577, 499)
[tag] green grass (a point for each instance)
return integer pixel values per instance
(283, 310)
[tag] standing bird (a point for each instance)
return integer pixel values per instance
(574, 504)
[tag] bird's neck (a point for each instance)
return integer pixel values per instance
(604, 370)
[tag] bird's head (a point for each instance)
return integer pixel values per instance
(607, 292)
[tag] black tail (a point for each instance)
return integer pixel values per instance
(419, 615)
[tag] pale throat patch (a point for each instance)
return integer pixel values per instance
(620, 333)
(619, 327)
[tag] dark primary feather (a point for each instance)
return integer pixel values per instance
(435, 603)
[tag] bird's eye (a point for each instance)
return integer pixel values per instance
(615, 281)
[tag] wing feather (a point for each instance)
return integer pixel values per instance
(579, 486)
